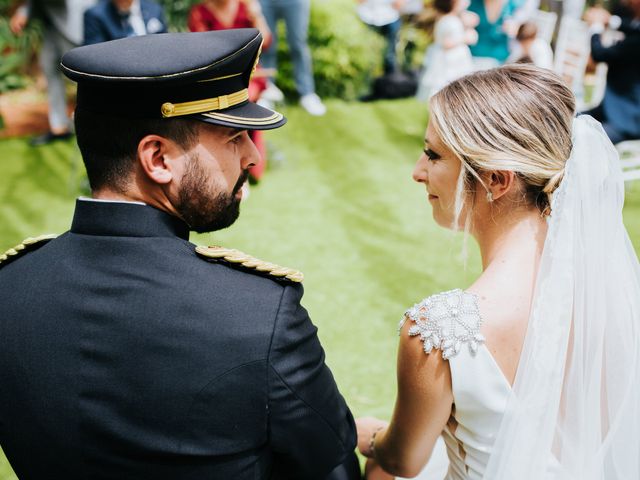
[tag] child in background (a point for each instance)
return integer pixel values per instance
(529, 49)
(449, 57)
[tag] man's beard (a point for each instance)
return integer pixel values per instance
(200, 206)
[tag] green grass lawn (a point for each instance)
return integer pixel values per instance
(338, 203)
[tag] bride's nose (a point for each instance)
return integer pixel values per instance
(420, 170)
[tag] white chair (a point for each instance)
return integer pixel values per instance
(572, 55)
(629, 152)
(546, 23)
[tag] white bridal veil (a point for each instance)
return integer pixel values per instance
(575, 409)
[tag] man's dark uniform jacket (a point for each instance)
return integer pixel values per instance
(125, 355)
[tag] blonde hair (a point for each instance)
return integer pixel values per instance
(516, 118)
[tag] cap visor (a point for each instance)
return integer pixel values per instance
(248, 116)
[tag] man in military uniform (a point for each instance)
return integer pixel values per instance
(125, 351)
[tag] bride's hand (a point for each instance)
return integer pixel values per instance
(366, 427)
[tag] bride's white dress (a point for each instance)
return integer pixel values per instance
(450, 321)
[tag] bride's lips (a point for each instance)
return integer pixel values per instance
(432, 197)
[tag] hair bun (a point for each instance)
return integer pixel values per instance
(554, 182)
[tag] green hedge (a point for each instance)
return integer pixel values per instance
(346, 54)
(16, 50)
(176, 12)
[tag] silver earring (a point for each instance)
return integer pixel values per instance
(489, 196)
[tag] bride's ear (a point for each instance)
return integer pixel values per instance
(501, 182)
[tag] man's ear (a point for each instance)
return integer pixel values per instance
(501, 182)
(153, 151)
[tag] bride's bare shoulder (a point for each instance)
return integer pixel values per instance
(502, 300)
(504, 305)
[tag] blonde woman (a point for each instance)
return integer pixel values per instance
(533, 371)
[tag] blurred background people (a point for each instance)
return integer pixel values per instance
(572, 8)
(449, 57)
(62, 31)
(226, 14)
(411, 7)
(526, 11)
(528, 48)
(113, 19)
(619, 111)
(494, 27)
(383, 16)
(295, 14)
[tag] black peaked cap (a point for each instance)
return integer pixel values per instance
(203, 75)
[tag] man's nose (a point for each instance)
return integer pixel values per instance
(250, 155)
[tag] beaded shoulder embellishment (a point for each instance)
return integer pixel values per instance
(446, 321)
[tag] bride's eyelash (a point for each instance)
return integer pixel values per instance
(431, 155)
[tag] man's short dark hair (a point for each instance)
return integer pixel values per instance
(109, 145)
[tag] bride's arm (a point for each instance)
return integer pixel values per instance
(422, 409)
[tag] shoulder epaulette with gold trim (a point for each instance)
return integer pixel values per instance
(27, 245)
(236, 257)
